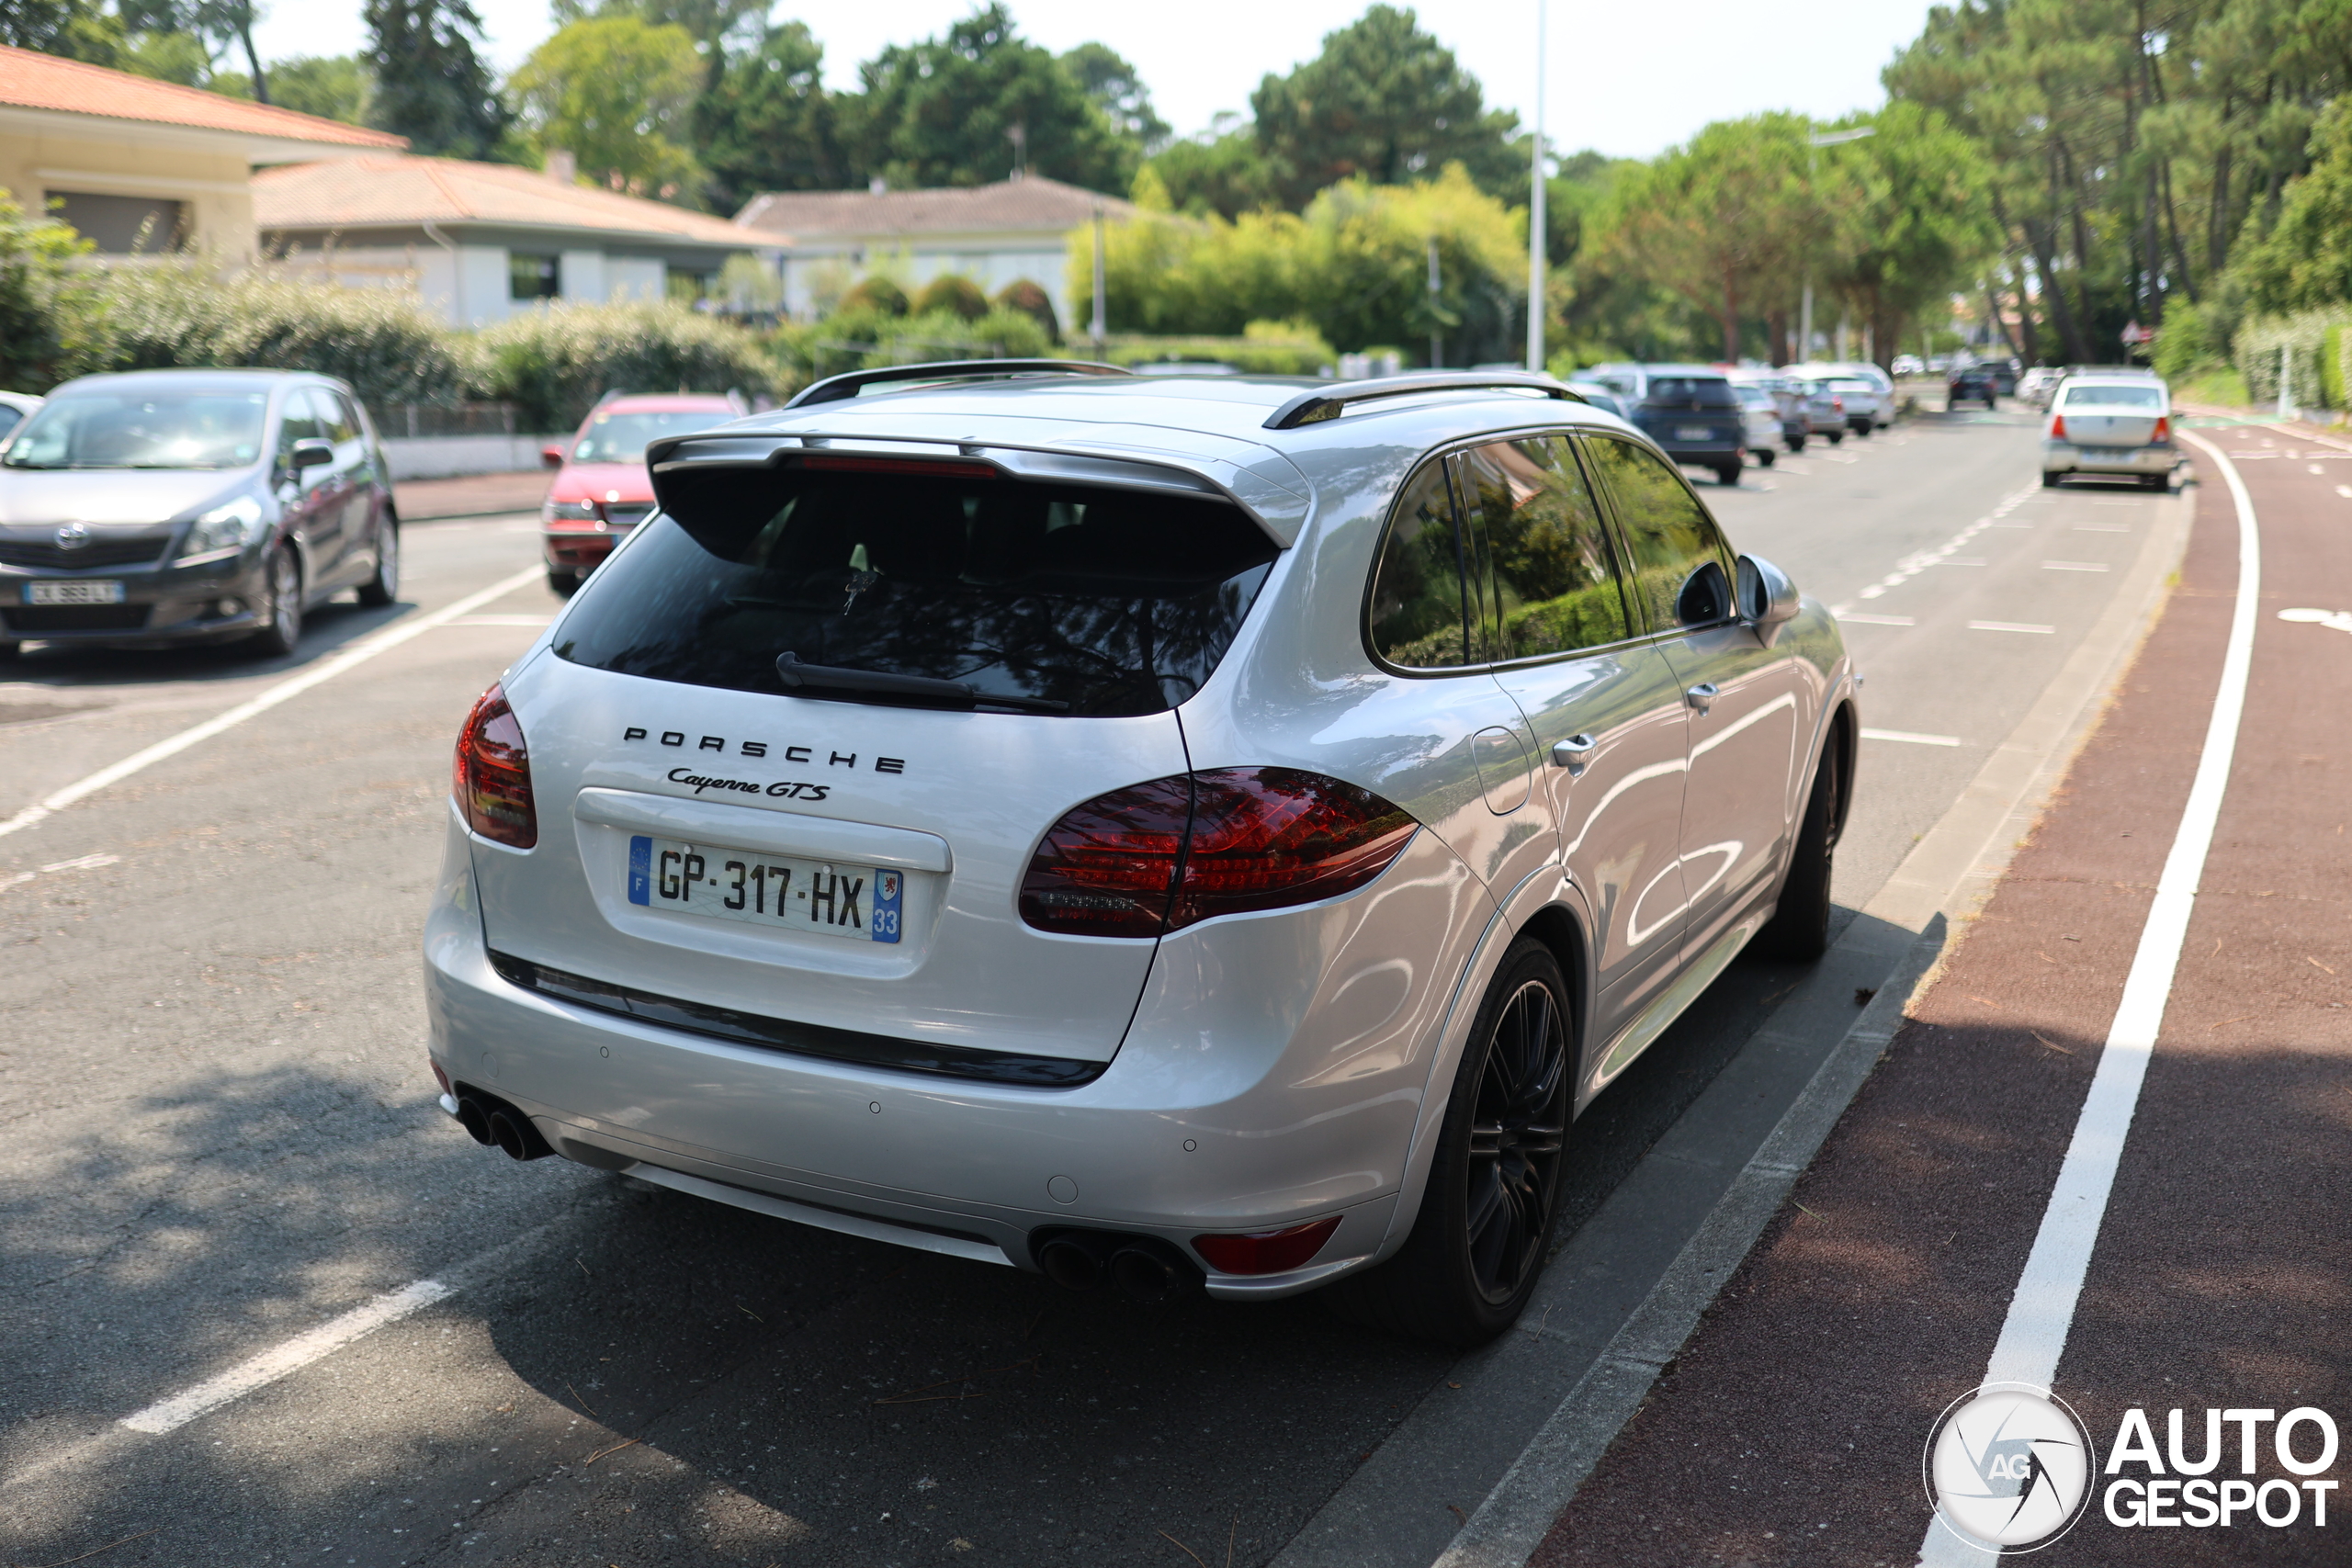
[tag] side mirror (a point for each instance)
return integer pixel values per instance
(312, 452)
(552, 456)
(1768, 599)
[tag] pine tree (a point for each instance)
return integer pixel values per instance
(431, 84)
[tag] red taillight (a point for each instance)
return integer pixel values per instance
(2057, 427)
(1266, 1252)
(491, 776)
(1159, 856)
(2164, 429)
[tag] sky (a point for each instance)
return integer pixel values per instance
(1622, 79)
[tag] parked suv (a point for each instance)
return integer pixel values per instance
(164, 507)
(1188, 832)
(601, 488)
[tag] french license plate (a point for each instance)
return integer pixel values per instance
(1694, 433)
(858, 903)
(83, 592)
(2111, 454)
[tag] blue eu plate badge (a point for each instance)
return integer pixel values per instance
(888, 888)
(640, 870)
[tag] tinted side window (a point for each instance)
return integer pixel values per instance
(337, 408)
(295, 423)
(1417, 583)
(1680, 569)
(1551, 582)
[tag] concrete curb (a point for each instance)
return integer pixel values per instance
(1936, 892)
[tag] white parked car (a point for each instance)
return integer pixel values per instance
(1765, 429)
(15, 409)
(2111, 425)
(2036, 384)
(1867, 391)
(1192, 833)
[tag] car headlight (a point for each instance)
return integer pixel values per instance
(568, 512)
(229, 526)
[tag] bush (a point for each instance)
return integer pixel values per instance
(861, 340)
(553, 363)
(48, 311)
(184, 314)
(875, 294)
(1264, 348)
(1031, 302)
(2305, 337)
(952, 293)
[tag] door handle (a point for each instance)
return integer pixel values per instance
(1573, 753)
(1701, 696)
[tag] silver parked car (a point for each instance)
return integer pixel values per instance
(1202, 832)
(2116, 426)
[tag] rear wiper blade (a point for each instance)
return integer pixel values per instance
(799, 676)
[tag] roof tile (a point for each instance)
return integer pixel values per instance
(1032, 203)
(382, 190)
(34, 81)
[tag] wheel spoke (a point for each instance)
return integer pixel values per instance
(1486, 1140)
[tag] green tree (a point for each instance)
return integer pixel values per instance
(767, 123)
(49, 321)
(618, 93)
(716, 26)
(1914, 220)
(71, 29)
(970, 106)
(1105, 76)
(1225, 172)
(431, 84)
(333, 86)
(2306, 259)
(221, 24)
(1386, 102)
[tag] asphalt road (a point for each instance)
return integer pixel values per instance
(219, 1135)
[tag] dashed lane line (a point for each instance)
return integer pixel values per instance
(80, 862)
(1859, 618)
(2041, 1312)
(2012, 626)
(2074, 566)
(1908, 737)
(285, 691)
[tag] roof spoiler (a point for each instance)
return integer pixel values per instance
(834, 389)
(1329, 403)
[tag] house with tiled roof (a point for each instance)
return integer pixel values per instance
(994, 234)
(137, 165)
(482, 241)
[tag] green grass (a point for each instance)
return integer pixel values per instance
(2220, 386)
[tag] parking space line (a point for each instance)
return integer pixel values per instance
(2011, 626)
(325, 671)
(2102, 527)
(1862, 619)
(80, 862)
(1908, 737)
(2042, 1312)
(2074, 566)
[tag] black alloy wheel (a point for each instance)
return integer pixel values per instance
(1485, 1227)
(384, 585)
(281, 629)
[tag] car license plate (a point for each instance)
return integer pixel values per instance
(1693, 433)
(2111, 454)
(72, 593)
(859, 903)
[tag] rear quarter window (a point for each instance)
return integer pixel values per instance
(1108, 601)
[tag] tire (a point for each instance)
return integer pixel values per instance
(2050, 478)
(1766, 456)
(1794, 444)
(281, 629)
(562, 583)
(1837, 439)
(1992, 405)
(1864, 430)
(1798, 929)
(1479, 1243)
(385, 586)
(1727, 473)
(9, 650)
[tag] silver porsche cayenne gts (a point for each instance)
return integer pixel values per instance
(1181, 833)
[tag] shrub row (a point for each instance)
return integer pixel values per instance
(2314, 342)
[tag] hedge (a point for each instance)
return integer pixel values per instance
(1264, 348)
(552, 363)
(861, 339)
(2314, 342)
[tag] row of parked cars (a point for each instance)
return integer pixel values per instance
(1711, 416)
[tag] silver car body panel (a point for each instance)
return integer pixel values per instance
(1255, 1070)
(2108, 438)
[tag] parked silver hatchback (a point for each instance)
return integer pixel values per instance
(1174, 832)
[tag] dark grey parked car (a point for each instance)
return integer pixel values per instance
(165, 507)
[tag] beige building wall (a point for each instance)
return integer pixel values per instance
(212, 187)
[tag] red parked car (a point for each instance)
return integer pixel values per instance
(601, 489)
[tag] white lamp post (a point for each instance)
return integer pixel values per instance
(1812, 173)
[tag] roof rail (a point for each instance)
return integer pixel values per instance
(1329, 402)
(834, 389)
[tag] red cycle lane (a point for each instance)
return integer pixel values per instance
(1790, 1428)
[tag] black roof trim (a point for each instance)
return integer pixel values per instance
(1329, 402)
(835, 389)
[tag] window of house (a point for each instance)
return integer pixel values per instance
(532, 278)
(689, 287)
(123, 225)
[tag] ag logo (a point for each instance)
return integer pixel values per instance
(2008, 1465)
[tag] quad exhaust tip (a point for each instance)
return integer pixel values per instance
(1142, 1267)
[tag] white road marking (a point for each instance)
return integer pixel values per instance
(2010, 626)
(2317, 470)
(2102, 527)
(1859, 618)
(170, 1415)
(2041, 1312)
(81, 863)
(2074, 566)
(2345, 490)
(2335, 620)
(1905, 735)
(1959, 561)
(325, 671)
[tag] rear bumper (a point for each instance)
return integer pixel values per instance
(1210, 1118)
(581, 551)
(2065, 458)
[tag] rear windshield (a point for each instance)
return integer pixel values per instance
(1058, 598)
(2114, 396)
(1691, 393)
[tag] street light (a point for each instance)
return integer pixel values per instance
(1535, 222)
(1814, 142)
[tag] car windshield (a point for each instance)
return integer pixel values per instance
(2111, 396)
(623, 437)
(143, 430)
(1691, 393)
(1052, 598)
(1756, 397)
(1851, 384)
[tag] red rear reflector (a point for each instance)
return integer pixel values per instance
(1266, 1252)
(2057, 427)
(439, 1077)
(2164, 429)
(1159, 856)
(944, 469)
(491, 775)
